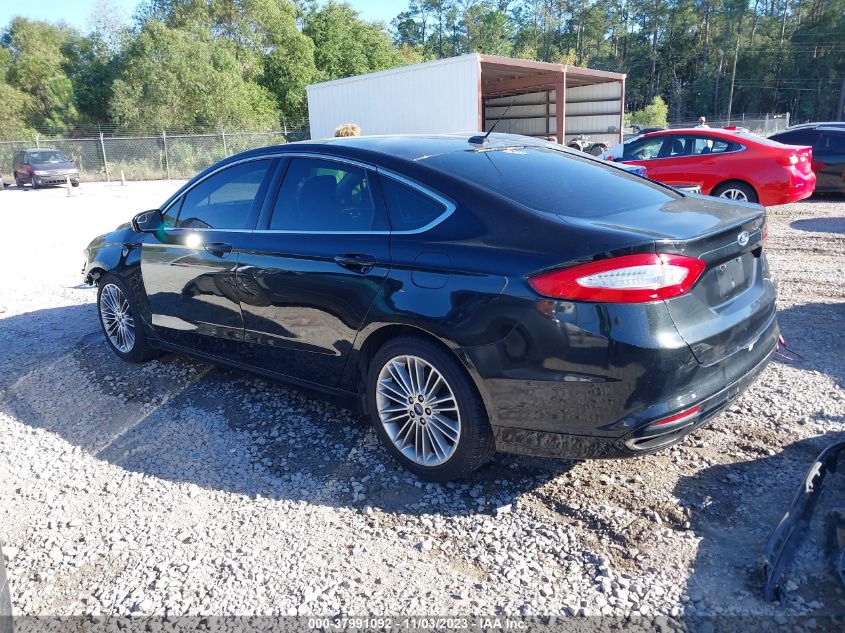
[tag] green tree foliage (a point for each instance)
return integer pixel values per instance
(184, 78)
(16, 107)
(344, 45)
(37, 67)
(653, 115)
(247, 62)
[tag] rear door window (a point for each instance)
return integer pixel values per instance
(833, 142)
(319, 195)
(227, 199)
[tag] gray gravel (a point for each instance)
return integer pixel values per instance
(179, 488)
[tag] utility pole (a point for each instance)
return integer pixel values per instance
(840, 113)
(733, 74)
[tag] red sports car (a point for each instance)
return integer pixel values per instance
(724, 163)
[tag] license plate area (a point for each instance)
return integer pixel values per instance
(729, 279)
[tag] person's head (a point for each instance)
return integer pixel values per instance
(702, 120)
(348, 129)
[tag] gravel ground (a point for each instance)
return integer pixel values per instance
(179, 488)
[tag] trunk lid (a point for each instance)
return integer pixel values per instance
(734, 300)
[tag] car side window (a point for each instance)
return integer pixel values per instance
(644, 149)
(797, 137)
(324, 195)
(409, 208)
(225, 200)
(708, 145)
(833, 142)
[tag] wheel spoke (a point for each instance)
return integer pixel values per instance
(116, 315)
(425, 431)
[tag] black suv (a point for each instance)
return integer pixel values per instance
(828, 142)
(41, 167)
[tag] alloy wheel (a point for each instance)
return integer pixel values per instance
(734, 194)
(117, 318)
(418, 410)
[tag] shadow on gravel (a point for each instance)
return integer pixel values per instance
(820, 225)
(189, 422)
(813, 334)
(733, 509)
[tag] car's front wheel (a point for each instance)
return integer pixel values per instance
(427, 411)
(118, 311)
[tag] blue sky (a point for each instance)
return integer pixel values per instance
(77, 12)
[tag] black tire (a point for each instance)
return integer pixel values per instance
(736, 185)
(141, 350)
(475, 445)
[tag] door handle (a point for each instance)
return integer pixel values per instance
(221, 249)
(357, 262)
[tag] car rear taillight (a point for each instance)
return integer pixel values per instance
(625, 279)
(801, 159)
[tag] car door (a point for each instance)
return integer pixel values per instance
(189, 269)
(314, 267)
(829, 161)
(693, 159)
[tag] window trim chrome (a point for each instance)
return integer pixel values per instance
(449, 206)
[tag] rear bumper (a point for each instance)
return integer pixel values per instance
(642, 440)
(590, 380)
(799, 187)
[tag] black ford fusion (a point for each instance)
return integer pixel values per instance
(468, 295)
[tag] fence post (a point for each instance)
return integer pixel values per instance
(285, 126)
(166, 159)
(105, 162)
(225, 149)
(36, 141)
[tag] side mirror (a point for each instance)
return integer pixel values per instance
(148, 221)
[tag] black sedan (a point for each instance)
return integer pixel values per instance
(828, 143)
(469, 295)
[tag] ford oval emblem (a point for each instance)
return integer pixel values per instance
(742, 239)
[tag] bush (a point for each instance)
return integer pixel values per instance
(653, 115)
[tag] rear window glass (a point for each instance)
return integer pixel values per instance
(553, 181)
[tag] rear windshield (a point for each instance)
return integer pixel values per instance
(47, 156)
(553, 181)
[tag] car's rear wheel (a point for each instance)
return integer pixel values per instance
(118, 311)
(739, 191)
(427, 411)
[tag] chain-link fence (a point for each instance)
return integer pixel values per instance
(761, 124)
(150, 157)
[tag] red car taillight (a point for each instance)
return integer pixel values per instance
(625, 279)
(802, 160)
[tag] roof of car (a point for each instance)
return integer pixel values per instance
(824, 124)
(404, 147)
(694, 130)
